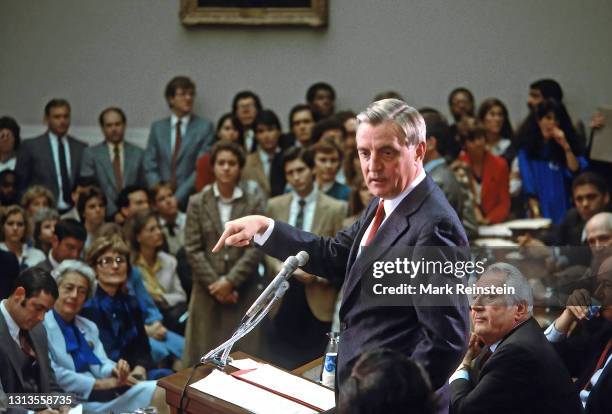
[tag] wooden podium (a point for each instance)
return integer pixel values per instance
(197, 402)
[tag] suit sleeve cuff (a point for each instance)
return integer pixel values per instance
(261, 239)
(459, 374)
(553, 335)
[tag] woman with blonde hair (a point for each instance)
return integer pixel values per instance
(37, 197)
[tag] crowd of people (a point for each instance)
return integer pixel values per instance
(109, 247)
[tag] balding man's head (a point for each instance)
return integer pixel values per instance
(599, 230)
(603, 291)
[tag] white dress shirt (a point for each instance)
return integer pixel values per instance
(266, 161)
(309, 209)
(553, 335)
(184, 122)
(8, 164)
(54, 141)
(225, 205)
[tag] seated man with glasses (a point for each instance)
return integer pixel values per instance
(509, 367)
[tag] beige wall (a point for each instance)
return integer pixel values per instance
(117, 52)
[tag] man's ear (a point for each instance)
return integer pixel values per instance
(19, 294)
(522, 310)
(420, 151)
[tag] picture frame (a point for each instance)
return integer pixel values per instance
(310, 13)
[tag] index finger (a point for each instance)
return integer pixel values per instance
(226, 233)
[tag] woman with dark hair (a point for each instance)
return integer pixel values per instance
(493, 115)
(548, 160)
(158, 268)
(385, 381)
(230, 129)
(9, 142)
(359, 199)
(91, 206)
(14, 235)
(488, 174)
(223, 284)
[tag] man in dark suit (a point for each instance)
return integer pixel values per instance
(408, 210)
(53, 159)
(114, 162)
(176, 142)
(517, 370)
(24, 353)
(587, 350)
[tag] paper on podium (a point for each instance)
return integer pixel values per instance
(290, 386)
(247, 396)
(495, 230)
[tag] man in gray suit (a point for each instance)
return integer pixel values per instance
(176, 142)
(53, 159)
(24, 353)
(114, 162)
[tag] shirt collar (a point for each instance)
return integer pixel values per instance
(184, 120)
(326, 187)
(310, 198)
(433, 164)
(53, 136)
(494, 346)
(10, 322)
(53, 262)
(111, 146)
(236, 195)
(391, 205)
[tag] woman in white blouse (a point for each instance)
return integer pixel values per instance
(13, 234)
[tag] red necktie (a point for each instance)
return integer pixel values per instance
(177, 148)
(378, 219)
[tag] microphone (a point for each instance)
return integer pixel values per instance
(289, 266)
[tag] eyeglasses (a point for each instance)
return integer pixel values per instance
(107, 262)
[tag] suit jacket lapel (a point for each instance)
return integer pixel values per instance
(9, 345)
(107, 164)
(391, 230)
(166, 139)
(186, 140)
(212, 210)
(51, 161)
(130, 167)
(74, 159)
(320, 217)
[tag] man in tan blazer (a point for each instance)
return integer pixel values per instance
(296, 334)
(264, 165)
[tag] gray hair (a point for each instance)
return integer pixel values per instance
(75, 266)
(408, 119)
(515, 280)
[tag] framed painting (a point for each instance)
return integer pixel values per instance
(313, 13)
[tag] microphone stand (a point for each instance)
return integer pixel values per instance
(219, 356)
